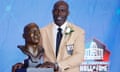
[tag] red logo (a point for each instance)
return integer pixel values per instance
(96, 57)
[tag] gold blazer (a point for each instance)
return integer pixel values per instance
(71, 51)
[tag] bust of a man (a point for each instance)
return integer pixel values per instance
(32, 46)
(33, 49)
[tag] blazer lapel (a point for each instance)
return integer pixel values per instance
(50, 37)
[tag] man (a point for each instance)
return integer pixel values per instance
(63, 42)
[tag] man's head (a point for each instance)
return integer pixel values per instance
(60, 12)
(31, 33)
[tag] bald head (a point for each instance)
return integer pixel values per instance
(61, 2)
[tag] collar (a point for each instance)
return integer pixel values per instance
(62, 26)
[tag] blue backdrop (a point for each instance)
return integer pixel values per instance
(99, 18)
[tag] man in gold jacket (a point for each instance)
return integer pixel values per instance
(67, 52)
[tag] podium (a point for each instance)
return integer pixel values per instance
(35, 70)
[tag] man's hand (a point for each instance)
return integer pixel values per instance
(47, 65)
(17, 66)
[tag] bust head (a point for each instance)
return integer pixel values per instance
(31, 33)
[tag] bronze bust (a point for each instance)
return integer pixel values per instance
(32, 47)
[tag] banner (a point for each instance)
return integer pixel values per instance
(96, 57)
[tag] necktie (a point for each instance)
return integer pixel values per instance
(58, 40)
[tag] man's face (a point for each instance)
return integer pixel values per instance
(33, 35)
(60, 13)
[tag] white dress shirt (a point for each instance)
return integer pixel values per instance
(55, 30)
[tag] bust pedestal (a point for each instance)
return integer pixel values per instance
(35, 70)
